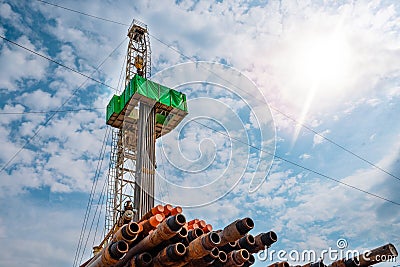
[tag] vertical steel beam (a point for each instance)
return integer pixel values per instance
(145, 168)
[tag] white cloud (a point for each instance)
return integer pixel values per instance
(19, 64)
(372, 137)
(305, 156)
(394, 92)
(39, 100)
(373, 102)
(6, 12)
(6, 119)
(318, 138)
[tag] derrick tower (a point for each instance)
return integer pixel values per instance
(142, 113)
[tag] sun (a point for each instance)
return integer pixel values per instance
(322, 60)
(321, 68)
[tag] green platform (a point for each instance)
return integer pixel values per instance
(171, 106)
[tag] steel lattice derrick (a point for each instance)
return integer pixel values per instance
(124, 153)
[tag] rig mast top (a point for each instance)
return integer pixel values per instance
(139, 52)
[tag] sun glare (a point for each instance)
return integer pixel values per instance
(321, 70)
(322, 60)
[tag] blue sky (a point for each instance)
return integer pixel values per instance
(331, 65)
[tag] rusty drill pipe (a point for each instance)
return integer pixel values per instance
(206, 260)
(352, 262)
(263, 240)
(110, 255)
(170, 255)
(127, 233)
(193, 234)
(156, 210)
(280, 264)
(178, 238)
(237, 258)
(247, 242)
(106, 253)
(315, 264)
(222, 258)
(201, 246)
(229, 247)
(141, 260)
(250, 261)
(267, 239)
(183, 232)
(345, 263)
(151, 223)
(211, 256)
(379, 254)
(236, 230)
(164, 231)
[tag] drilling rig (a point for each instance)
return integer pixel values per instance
(143, 112)
(143, 235)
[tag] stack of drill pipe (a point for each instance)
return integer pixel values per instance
(162, 237)
(164, 231)
(110, 255)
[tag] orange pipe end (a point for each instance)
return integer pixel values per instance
(193, 221)
(193, 226)
(208, 228)
(140, 227)
(176, 210)
(156, 219)
(167, 209)
(202, 224)
(157, 209)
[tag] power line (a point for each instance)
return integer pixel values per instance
(300, 166)
(55, 62)
(335, 143)
(82, 13)
(91, 198)
(302, 124)
(99, 200)
(120, 85)
(99, 203)
(49, 111)
(62, 105)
